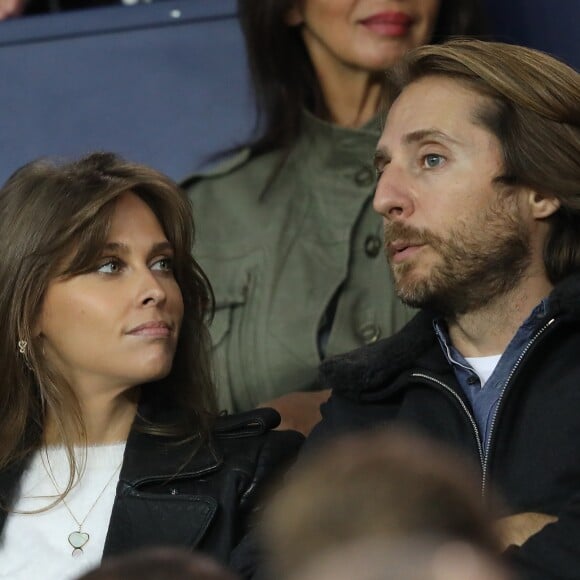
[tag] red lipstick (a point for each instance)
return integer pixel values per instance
(389, 23)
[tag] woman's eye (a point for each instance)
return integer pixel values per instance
(432, 160)
(163, 265)
(109, 267)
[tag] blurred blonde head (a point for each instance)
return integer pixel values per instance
(387, 484)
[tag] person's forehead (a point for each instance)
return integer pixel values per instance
(433, 104)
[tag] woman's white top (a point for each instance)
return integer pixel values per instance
(36, 545)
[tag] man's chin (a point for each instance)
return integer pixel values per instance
(418, 293)
(412, 296)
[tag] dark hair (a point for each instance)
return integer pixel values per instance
(534, 111)
(283, 76)
(48, 212)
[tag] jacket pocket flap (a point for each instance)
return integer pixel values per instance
(226, 299)
(146, 519)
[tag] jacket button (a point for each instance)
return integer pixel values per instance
(364, 176)
(373, 246)
(370, 333)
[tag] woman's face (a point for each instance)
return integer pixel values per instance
(116, 326)
(368, 35)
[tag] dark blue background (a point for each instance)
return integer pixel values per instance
(166, 83)
(549, 25)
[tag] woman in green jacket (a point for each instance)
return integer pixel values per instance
(286, 230)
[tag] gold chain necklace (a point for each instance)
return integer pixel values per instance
(77, 538)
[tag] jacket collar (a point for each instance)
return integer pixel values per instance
(9, 479)
(364, 373)
(141, 517)
(153, 457)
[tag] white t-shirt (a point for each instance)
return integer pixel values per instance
(35, 546)
(483, 366)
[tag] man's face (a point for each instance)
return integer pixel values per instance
(453, 241)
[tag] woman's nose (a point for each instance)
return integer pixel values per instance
(151, 290)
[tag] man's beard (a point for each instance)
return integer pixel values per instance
(480, 261)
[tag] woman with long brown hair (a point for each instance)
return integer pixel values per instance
(109, 434)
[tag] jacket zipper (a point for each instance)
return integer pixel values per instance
(484, 457)
(532, 341)
(465, 410)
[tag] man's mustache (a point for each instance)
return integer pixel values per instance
(415, 236)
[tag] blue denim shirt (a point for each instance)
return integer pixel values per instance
(484, 399)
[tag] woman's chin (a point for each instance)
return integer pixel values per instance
(152, 370)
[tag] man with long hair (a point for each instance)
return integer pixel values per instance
(479, 188)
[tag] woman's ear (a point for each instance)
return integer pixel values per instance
(294, 15)
(542, 206)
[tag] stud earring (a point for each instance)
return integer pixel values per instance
(22, 344)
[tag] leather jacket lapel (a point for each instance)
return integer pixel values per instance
(148, 509)
(9, 479)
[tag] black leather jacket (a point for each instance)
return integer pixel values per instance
(533, 458)
(206, 505)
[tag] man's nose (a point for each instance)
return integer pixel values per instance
(393, 199)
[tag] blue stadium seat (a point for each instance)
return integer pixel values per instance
(549, 25)
(167, 83)
(164, 84)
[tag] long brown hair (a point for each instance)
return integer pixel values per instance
(534, 111)
(48, 212)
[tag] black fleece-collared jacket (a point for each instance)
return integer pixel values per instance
(533, 459)
(167, 497)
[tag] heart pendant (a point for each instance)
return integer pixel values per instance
(78, 539)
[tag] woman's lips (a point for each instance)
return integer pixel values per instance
(389, 23)
(154, 329)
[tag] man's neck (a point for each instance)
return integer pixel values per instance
(489, 329)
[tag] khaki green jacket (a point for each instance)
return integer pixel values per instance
(277, 255)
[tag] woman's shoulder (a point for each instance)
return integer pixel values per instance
(251, 437)
(241, 172)
(230, 203)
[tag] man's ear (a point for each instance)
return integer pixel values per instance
(542, 206)
(294, 15)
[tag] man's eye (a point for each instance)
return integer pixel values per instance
(109, 267)
(432, 160)
(163, 265)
